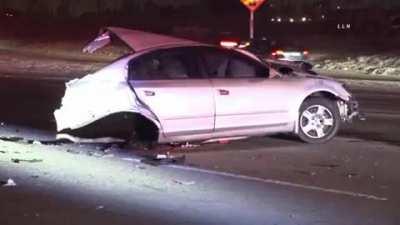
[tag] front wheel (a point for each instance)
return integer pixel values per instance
(319, 120)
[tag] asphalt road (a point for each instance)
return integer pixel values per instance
(251, 184)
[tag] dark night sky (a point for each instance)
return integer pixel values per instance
(81, 6)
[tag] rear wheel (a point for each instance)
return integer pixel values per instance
(144, 134)
(319, 120)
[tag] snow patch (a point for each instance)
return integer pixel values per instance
(378, 65)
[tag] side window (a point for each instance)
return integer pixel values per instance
(164, 65)
(228, 64)
(242, 67)
(216, 63)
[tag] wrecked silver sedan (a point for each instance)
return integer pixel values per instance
(176, 90)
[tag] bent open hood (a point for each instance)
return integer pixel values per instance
(136, 40)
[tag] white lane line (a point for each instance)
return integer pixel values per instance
(283, 183)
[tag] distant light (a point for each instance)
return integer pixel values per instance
(228, 44)
(291, 20)
(323, 16)
(338, 7)
(272, 19)
(244, 44)
(304, 19)
(279, 19)
(306, 52)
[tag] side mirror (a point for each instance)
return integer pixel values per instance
(286, 70)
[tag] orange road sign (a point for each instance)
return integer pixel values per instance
(252, 5)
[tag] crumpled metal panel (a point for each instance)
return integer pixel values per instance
(100, 42)
(135, 39)
(96, 96)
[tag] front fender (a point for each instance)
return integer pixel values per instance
(324, 88)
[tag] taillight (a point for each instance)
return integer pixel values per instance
(278, 53)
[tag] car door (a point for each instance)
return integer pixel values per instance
(169, 83)
(244, 96)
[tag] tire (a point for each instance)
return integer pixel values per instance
(319, 120)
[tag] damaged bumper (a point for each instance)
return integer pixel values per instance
(92, 99)
(349, 110)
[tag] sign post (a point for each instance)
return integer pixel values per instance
(252, 5)
(251, 24)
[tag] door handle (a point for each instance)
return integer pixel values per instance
(149, 93)
(223, 92)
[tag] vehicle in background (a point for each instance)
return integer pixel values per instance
(290, 54)
(269, 49)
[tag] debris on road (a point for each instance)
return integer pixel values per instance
(107, 150)
(163, 159)
(29, 141)
(55, 142)
(303, 172)
(140, 167)
(185, 183)
(9, 183)
(187, 145)
(26, 160)
(35, 142)
(323, 165)
(12, 139)
(129, 159)
(73, 151)
(95, 154)
(108, 156)
(351, 175)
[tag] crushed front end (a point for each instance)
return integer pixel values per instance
(349, 110)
